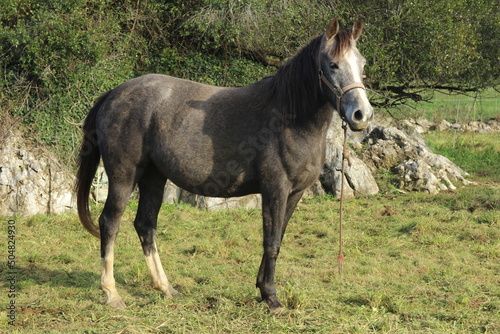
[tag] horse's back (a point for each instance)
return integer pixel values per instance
(152, 102)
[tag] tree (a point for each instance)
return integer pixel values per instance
(411, 46)
(415, 46)
(57, 56)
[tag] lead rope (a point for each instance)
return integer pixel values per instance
(339, 93)
(344, 155)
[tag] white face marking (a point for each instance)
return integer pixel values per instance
(352, 57)
(347, 69)
(355, 103)
(353, 64)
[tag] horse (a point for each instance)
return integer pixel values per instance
(268, 138)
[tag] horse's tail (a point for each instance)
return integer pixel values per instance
(88, 161)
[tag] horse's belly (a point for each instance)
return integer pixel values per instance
(201, 175)
(220, 184)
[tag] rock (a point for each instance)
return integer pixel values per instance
(421, 125)
(214, 203)
(32, 181)
(99, 188)
(411, 159)
(425, 124)
(358, 178)
(315, 190)
(444, 125)
(174, 194)
(492, 125)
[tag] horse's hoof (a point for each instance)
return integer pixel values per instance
(277, 310)
(175, 294)
(275, 307)
(118, 303)
(168, 291)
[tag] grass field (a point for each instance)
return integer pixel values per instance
(476, 153)
(454, 108)
(414, 263)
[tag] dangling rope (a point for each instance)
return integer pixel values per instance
(344, 157)
(339, 93)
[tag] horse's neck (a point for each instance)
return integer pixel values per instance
(315, 120)
(318, 120)
(324, 115)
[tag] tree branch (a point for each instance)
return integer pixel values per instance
(392, 96)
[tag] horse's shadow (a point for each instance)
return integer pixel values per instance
(24, 276)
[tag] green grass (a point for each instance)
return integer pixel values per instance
(476, 153)
(414, 264)
(453, 108)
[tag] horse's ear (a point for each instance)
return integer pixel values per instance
(333, 29)
(357, 29)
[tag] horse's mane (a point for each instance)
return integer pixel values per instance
(295, 87)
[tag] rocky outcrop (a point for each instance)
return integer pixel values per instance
(358, 179)
(423, 125)
(406, 154)
(174, 194)
(32, 181)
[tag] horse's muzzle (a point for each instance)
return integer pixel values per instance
(359, 119)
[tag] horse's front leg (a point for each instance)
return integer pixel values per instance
(273, 214)
(276, 215)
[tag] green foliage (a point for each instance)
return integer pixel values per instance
(56, 60)
(58, 56)
(257, 27)
(410, 45)
(416, 45)
(210, 69)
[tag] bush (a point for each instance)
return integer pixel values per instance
(59, 55)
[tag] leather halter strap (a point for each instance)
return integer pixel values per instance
(339, 92)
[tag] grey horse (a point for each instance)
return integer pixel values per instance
(268, 138)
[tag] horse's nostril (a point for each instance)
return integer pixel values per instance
(358, 115)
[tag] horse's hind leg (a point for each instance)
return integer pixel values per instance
(151, 186)
(109, 223)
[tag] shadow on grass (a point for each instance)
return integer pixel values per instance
(38, 275)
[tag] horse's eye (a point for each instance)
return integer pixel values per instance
(334, 66)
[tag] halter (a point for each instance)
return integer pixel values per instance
(339, 92)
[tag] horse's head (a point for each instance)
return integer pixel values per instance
(341, 75)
